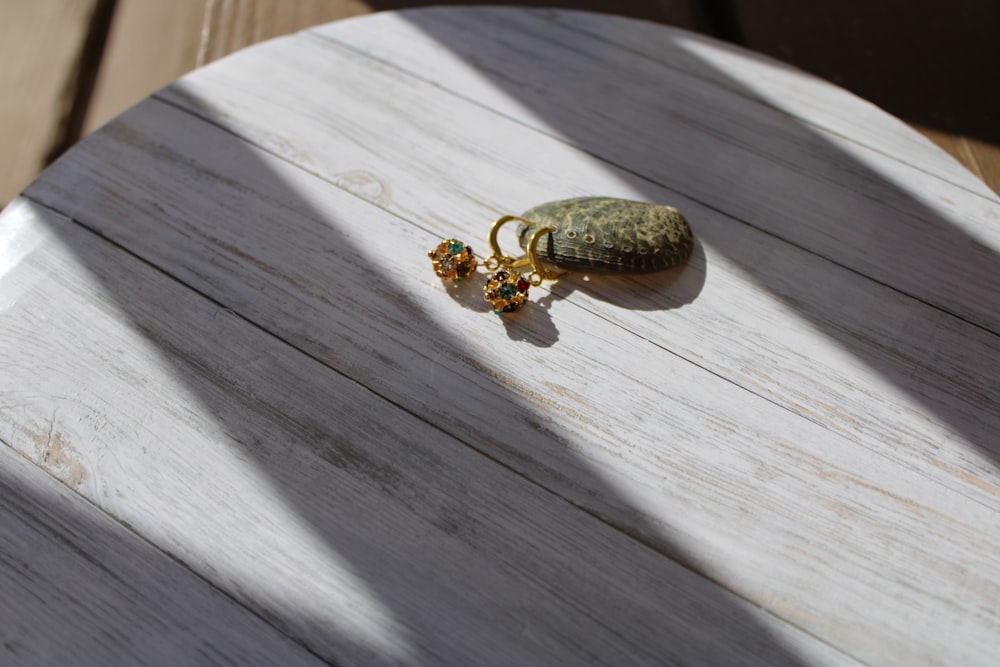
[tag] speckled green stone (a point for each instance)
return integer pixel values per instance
(604, 234)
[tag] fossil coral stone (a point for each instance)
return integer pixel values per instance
(604, 234)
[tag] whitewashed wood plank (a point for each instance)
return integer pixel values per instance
(364, 531)
(833, 195)
(899, 390)
(693, 459)
(78, 588)
(445, 45)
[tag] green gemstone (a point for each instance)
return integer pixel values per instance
(455, 247)
(508, 291)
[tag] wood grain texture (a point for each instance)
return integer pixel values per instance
(39, 77)
(364, 531)
(154, 43)
(812, 439)
(711, 470)
(723, 145)
(919, 369)
(78, 588)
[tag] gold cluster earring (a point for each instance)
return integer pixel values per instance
(453, 260)
(508, 282)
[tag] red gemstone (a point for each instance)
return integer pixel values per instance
(522, 285)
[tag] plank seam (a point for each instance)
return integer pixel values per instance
(611, 163)
(789, 409)
(554, 289)
(634, 536)
(130, 530)
(715, 209)
(991, 197)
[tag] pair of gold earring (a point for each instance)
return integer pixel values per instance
(507, 286)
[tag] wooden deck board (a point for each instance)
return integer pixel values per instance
(230, 26)
(41, 44)
(150, 44)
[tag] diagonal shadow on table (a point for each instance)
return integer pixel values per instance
(80, 589)
(776, 174)
(420, 549)
(470, 560)
(454, 556)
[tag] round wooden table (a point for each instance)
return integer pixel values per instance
(243, 422)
